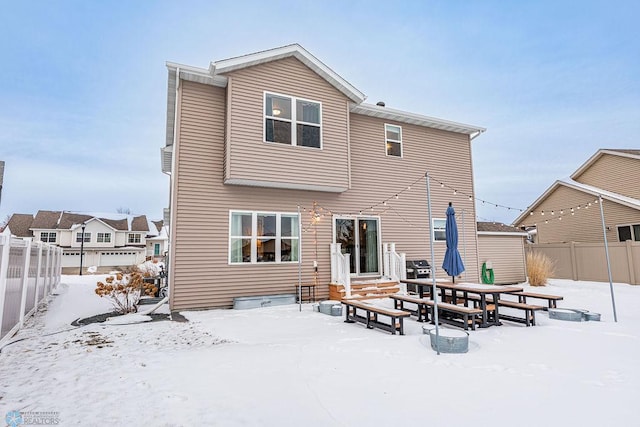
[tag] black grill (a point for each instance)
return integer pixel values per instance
(418, 269)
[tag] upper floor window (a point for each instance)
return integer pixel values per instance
(104, 238)
(292, 121)
(87, 237)
(439, 226)
(629, 232)
(393, 140)
(263, 237)
(48, 237)
(133, 238)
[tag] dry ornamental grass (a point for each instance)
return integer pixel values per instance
(539, 268)
(124, 291)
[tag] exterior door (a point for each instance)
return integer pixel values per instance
(360, 237)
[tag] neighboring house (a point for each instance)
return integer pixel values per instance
(503, 247)
(568, 211)
(109, 240)
(252, 139)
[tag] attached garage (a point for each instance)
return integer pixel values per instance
(502, 248)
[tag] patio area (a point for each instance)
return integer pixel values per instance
(279, 366)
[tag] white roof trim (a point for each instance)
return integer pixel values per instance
(597, 155)
(502, 233)
(415, 119)
(292, 50)
(595, 191)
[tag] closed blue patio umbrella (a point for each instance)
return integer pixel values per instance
(452, 263)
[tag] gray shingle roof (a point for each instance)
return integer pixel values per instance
(140, 223)
(46, 219)
(498, 227)
(68, 220)
(19, 224)
(118, 224)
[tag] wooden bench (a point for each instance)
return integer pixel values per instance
(529, 312)
(466, 315)
(553, 299)
(423, 310)
(372, 313)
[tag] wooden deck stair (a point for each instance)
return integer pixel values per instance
(362, 290)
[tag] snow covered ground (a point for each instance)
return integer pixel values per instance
(278, 366)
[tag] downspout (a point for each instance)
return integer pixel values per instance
(172, 209)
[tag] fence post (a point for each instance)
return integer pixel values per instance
(25, 278)
(5, 246)
(574, 261)
(632, 270)
(38, 276)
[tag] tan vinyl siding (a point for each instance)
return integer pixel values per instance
(613, 173)
(202, 277)
(507, 256)
(253, 159)
(446, 155)
(585, 225)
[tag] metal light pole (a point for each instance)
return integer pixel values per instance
(82, 247)
(606, 251)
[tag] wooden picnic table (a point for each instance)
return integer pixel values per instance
(469, 288)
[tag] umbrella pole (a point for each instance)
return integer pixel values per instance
(434, 289)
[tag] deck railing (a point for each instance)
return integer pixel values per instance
(394, 264)
(340, 268)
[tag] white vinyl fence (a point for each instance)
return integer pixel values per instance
(28, 273)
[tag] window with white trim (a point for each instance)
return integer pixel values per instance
(133, 238)
(260, 237)
(393, 140)
(629, 232)
(49, 237)
(87, 237)
(439, 227)
(292, 121)
(103, 238)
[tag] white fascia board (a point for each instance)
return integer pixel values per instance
(594, 191)
(502, 233)
(197, 74)
(296, 51)
(539, 200)
(597, 155)
(609, 195)
(415, 119)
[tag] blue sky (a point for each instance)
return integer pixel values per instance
(82, 113)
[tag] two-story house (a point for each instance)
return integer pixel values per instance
(105, 240)
(273, 157)
(568, 212)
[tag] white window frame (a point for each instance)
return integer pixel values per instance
(433, 224)
(294, 122)
(634, 238)
(49, 235)
(393, 141)
(254, 237)
(137, 238)
(106, 238)
(87, 237)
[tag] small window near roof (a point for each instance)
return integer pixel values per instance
(439, 229)
(393, 140)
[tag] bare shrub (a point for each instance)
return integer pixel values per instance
(539, 267)
(124, 291)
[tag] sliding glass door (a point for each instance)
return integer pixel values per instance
(360, 237)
